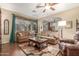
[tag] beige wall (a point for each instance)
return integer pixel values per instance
(48, 18)
(6, 15)
(69, 15)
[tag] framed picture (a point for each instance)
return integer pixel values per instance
(77, 25)
(69, 24)
(6, 27)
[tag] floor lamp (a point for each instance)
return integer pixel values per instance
(61, 25)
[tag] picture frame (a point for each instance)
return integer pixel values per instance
(77, 25)
(6, 27)
(69, 25)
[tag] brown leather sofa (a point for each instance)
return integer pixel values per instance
(53, 41)
(69, 47)
(22, 36)
(72, 50)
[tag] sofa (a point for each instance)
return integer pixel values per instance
(72, 50)
(22, 36)
(53, 41)
(51, 36)
(69, 47)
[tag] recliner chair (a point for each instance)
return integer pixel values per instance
(70, 47)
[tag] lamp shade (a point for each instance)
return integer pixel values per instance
(62, 23)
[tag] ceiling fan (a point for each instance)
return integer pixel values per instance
(46, 6)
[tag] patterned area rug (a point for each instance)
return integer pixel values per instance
(51, 50)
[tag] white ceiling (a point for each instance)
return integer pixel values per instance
(26, 8)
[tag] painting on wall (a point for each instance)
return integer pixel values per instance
(77, 25)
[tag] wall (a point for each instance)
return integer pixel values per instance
(49, 19)
(71, 15)
(6, 15)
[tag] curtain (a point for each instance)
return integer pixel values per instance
(12, 35)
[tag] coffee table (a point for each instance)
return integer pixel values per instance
(38, 43)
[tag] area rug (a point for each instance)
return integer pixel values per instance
(50, 50)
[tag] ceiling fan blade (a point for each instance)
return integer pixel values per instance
(52, 8)
(39, 6)
(52, 4)
(44, 10)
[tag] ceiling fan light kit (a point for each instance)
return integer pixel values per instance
(47, 7)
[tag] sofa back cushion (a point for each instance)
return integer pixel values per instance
(68, 41)
(22, 34)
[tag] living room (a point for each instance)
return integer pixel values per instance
(36, 31)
